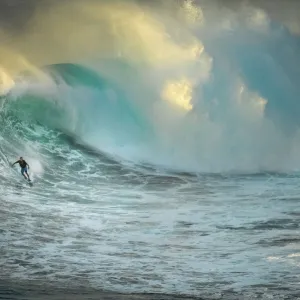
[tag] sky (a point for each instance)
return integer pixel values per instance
(15, 13)
(18, 30)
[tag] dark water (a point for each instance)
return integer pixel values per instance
(152, 237)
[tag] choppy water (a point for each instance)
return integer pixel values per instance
(140, 232)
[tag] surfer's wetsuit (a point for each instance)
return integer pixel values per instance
(23, 164)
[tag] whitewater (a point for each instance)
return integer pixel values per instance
(163, 142)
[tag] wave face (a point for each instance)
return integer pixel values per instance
(160, 135)
(79, 102)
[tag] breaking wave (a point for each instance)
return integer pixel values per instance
(219, 95)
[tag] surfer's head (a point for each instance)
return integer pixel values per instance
(21, 158)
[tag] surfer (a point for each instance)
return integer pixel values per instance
(23, 164)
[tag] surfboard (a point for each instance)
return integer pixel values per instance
(31, 178)
(31, 175)
(29, 182)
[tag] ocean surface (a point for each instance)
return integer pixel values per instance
(163, 142)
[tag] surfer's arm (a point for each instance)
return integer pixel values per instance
(15, 163)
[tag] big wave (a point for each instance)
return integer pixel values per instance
(210, 102)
